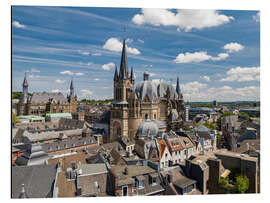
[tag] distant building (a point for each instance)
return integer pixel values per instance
(215, 103)
(195, 111)
(186, 114)
(251, 111)
(41, 103)
(31, 118)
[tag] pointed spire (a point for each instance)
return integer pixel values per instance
(123, 72)
(71, 88)
(115, 74)
(25, 83)
(132, 74)
(178, 91)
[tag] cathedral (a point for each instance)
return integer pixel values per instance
(146, 109)
(41, 103)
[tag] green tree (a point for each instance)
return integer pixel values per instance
(186, 128)
(245, 115)
(219, 123)
(209, 125)
(223, 181)
(228, 114)
(242, 184)
(15, 119)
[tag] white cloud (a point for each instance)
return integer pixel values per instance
(63, 91)
(85, 53)
(184, 19)
(192, 57)
(198, 57)
(32, 76)
(141, 41)
(233, 47)
(96, 79)
(224, 93)
(68, 72)
(221, 56)
(108, 66)
(257, 17)
(242, 74)
(78, 74)
(96, 54)
(85, 92)
(59, 81)
(18, 25)
(33, 70)
(113, 44)
(193, 86)
(206, 78)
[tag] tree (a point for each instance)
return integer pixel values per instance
(242, 184)
(228, 114)
(219, 122)
(209, 125)
(15, 119)
(186, 128)
(245, 115)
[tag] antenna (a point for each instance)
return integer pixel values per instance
(124, 32)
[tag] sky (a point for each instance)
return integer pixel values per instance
(215, 53)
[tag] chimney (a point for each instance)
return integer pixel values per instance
(126, 171)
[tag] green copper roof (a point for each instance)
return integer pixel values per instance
(31, 117)
(58, 114)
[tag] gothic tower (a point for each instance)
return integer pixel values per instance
(72, 98)
(123, 87)
(22, 105)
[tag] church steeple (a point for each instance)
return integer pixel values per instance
(25, 90)
(131, 74)
(115, 74)
(71, 88)
(123, 72)
(178, 90)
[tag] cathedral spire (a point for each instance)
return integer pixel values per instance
(115, 74)
(71, 88)
(178, 91)
(25, 83)
(131, 74)
(123, 72)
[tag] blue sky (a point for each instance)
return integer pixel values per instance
(216, 54)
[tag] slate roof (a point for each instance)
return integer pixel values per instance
(70, 143)
(92, 169)
(38, 180)
(43, 97)
(34, 155)
(147, 88)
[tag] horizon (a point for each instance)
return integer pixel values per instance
(212, 58)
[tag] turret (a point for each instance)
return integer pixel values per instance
(115, 74)
(178, 90)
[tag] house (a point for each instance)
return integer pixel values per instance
(176, 183)
(132, 180)
(92, 180)
(164, 154)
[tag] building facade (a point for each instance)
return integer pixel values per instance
(132, 105)
(41, 103)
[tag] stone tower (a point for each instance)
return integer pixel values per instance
(72, 99)
(22, 105)
(123, 86)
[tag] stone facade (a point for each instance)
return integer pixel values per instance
(41, 103)
(148, 100)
